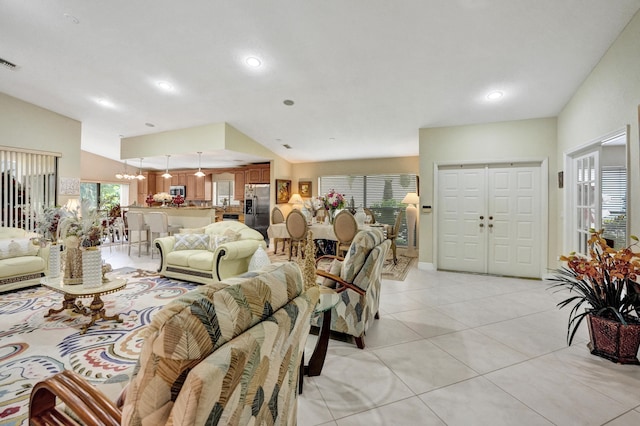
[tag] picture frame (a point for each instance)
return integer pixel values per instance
(283, 191)
(304, 188)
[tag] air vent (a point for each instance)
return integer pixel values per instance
(286, 145)
(8, 64)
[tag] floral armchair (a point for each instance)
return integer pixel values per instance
(357, 279)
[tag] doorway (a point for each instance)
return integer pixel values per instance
(490, 219)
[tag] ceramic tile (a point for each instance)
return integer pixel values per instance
(480, 352)
(631, 418)
(484, 404)
(388, 331)
(357, 383)
(312, 410)
(429, 322)
(408, 412)
(556, 396)
(423, 366)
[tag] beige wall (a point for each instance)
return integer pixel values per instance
(96, 168)
(312, 171)
(28, 126)
(522, 140)
(607, 101)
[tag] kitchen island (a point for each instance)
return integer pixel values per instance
(182, 217)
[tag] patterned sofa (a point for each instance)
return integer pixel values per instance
(357, 279)
(22, 264)
(210, 254)
(227, 353)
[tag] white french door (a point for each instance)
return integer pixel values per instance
(587, 198)
(489, 219)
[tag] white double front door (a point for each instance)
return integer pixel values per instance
(489, 219)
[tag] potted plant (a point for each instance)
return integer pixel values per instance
(605, 285)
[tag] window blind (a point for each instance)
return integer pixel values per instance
(614, 204)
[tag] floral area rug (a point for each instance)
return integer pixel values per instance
(33, 347)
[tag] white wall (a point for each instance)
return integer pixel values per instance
(608, 101)
(485, 143)
(27, 126)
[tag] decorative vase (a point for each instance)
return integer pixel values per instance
(613, 340)
(164, 203)
(91, 268)
(54, 260)
(259, 259)
(72, 261)
(332, 215)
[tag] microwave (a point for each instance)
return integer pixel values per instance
(178, 190)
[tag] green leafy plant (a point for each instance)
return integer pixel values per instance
(604, 283)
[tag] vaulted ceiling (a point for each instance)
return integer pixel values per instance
(363, 75)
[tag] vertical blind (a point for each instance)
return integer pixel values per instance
(382, 194)
(614, 204)
(27, 186)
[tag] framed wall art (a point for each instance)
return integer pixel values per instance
(283, 191)
(304, 188)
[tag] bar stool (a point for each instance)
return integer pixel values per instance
(159, 226)
(135, 223)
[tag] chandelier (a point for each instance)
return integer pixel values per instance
(125, 175)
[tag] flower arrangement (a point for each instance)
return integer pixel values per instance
(149, 200)
(162, 197)
(332, 200)
(87, 229)
(48, 221)
(178, 200)
(605, 281)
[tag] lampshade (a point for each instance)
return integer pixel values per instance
(296, 199)
(166, 173)
(140, 176)
(411, 198)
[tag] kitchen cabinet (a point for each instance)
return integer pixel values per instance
(162, 184)
(238, 190)
(258, 174)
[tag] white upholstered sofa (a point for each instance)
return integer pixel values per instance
(210, 254)
(22, 264)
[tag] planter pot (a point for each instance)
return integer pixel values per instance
(613, 340)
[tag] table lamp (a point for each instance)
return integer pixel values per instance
(296, 201)
(411, 199)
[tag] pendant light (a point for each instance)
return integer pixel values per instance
(126, 174)
(199, 173)
(140, 176)
(166, 174)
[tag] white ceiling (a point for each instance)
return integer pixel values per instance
(365, 75)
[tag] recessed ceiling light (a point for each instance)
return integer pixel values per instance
(164, 85)
(253, 62)
(105, 103)
(496, 94)
(288, 102)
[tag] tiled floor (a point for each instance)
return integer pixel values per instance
(459, 349)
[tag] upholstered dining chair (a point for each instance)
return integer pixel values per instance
(357, 279)
(297, 228)
(277, 216)
(345, 227)
(392, 234)
(369, 213)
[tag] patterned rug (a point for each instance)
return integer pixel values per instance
(33, 347)
(390, 271)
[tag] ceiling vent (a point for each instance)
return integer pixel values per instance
(286, 145)
(7, 64)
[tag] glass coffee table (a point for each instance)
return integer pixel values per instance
(72, 292)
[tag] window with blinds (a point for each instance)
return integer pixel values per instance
(382, 194)
(27, 186)
(614, 204)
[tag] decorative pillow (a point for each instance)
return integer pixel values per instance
(191, 242)
(17, 247)
(334, 269)
(215, 241)
(231, 235)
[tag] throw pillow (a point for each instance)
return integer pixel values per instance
(191, 242)
(334, 269)
(17, 247)
(231, 235)
(259, 259)
(215, 241)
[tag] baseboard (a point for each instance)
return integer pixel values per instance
(426, 266)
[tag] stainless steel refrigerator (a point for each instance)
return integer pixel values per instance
(256, 208)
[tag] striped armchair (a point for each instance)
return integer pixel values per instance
(357, 282)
